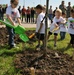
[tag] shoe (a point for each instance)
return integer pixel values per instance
(12, 46)
(69, 44)
(42, 47)
(73, 45)
(55, 45)
(37, 46)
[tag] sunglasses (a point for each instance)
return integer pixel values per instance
(15, 4)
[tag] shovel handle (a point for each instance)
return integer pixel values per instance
(55, 29)
(32, 35)
(7, 24)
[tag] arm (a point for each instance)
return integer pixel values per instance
(19, 21)
(56, 25)
(18, 17)
(54, 22)
(10, 19)
(41, 24)
(63, 21)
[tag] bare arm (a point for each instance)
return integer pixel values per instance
(41, 24)
(10, 19)
(19, 21)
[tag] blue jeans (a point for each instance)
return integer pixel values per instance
(62, 35)
(1, 17)
(50, 16)
(11, 36)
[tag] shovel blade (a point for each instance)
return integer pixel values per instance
(19, 29)
(24, 37)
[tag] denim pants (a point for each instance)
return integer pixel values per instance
(50, 16)
(62, 35)
(11, 36)
(1, 17)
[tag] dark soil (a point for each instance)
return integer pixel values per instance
(4, 36)
(48, 64)
(44, 65)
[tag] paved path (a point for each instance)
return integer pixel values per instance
(25, 25)
(29, 25)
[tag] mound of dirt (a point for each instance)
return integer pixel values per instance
(54, 63)
(4, 36)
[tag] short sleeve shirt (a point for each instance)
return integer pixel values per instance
(39, 19)
(13, 12)
(71, 25)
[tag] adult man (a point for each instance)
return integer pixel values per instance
(32, 15)
(68, 9)
(50, 13)
(63, 7)
(1, 13)
(23, 13)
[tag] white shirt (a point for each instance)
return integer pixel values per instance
(55, 20)
(71, 25)
(63, 28)
(13, 12)
(39, 19)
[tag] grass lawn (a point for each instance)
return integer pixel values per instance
(7, 56)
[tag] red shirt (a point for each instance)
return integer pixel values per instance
(28, 11)
(23, 11)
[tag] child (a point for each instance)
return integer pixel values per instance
(40, 28)
(56, 24)
(71, 27)
(63, 27)
(12, 14)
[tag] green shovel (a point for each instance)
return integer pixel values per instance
(18, 30)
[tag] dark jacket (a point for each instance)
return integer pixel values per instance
(2, 11)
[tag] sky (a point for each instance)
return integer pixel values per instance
(33, 3)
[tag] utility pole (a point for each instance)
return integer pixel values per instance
(40, 1)
(33, 4)
(46, 26)
(24, 3)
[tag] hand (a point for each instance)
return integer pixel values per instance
(56, 25)
(38, 30)
(14, 24)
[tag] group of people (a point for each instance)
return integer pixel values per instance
(28, 15)
(59, 23)
(63, 7)
(2, 11)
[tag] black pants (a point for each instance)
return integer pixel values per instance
(32, 18)
(72, 38)
(23, 17)
(28, 18)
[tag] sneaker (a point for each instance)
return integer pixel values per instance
(42, 47)
(55, 45)
(12, 46)
(69, 44)
(37, 46)
(38, 49)
(73, 45)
